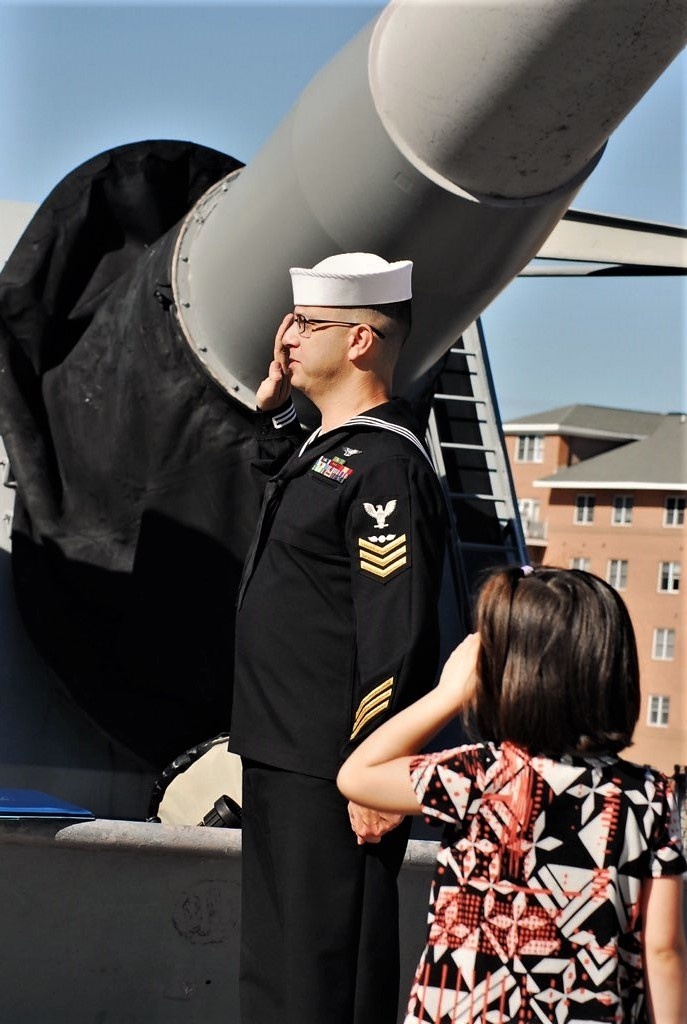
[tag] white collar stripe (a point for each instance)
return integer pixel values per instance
(309, 440)
(372, 421)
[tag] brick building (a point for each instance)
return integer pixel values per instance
(604, 489)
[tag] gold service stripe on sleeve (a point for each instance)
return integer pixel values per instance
(367, 717)
(372, 704)
(363, 711)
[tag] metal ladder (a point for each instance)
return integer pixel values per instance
(468, 449)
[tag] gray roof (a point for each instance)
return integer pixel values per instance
(659, 462)
(587, 421)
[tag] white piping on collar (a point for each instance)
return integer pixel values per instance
(309, 440)
(373, 421)
(395, 428)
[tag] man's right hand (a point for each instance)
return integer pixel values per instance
(276, 387)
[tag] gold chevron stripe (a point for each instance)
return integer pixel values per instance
(368, 562)
(381, 549)
(367, 705)
(383, 573)
(382, 560)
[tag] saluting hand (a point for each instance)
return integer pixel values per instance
(459, 676)
(276, 387)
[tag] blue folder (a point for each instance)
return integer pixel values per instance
(30, 803)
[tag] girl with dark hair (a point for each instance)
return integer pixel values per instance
(557, 894)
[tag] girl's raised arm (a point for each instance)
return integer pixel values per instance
(665, 950)
(376, 774)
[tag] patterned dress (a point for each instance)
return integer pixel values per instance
(534, 911)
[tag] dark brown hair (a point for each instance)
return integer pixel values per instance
(557, 670)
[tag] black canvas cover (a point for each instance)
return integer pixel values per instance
(136, 496)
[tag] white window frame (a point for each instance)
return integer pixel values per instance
(616, 573)
(622, 509)
(663, 644)
(584, 503)
(658, 711)
(671, 571)
(675, 515)
(529, 509)
(529, 448)
(580, 562)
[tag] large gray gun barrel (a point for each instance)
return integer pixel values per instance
(451, 132)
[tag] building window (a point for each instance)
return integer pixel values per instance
(664, 645)
(584, 508)
(622, 509)
(529, 516)
(674, 512)
(659, 710)
(580, 563)
(530, 448)
(529, 509)
(669, 577)
(617, 573)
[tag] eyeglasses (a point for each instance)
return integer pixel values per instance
(303, 322)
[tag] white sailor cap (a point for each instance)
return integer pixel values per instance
(352, 279)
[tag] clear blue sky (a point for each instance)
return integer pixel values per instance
(78, 79)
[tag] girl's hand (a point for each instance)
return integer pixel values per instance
(459, 676)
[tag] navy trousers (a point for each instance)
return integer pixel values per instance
(319, 929)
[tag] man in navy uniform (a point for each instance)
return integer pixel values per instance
(337, 629)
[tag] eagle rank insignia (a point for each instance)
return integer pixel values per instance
(383, 553)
